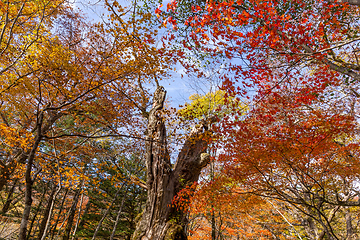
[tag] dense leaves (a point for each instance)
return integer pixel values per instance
(298, 143)
(68, 88)
(84, 148)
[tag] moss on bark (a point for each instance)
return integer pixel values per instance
(175, 232)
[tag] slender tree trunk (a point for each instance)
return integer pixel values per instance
(213, 224)
(349, 226)
(83, 220)
(59, 214)
(72, 214)
(29, 180)
(45, 232)
(212, 211)
(47, 212)
(62, 224)
(9, 199)
(160, 220)
(78, 217)
(118, 218)
(106, 212)
(35, 213)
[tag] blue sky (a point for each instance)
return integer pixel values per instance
(178, 89)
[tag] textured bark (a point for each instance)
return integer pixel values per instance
(44, 235)
(29, 181)
(59, 214)
(9, 198)
(79, 214)
(47, 212)
(349, 226)
(70, 220)
(35, 213)
(160, 221)
(117, 218)
(83, 220)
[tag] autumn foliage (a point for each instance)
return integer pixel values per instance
(298, 143)
(66, 86)
(81, 121)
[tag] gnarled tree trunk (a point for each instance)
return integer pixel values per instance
(161, 221)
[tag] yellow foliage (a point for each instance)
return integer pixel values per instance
(213, 103)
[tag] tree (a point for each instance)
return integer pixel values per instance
(83, 84)
(237, 215)
(74, 84)
(211, 105)
(298, 142)
(275, 41)
(23, 25)
(160, 220)
(312, 163)
(86, 81)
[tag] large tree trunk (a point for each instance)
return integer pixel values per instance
(160, 220)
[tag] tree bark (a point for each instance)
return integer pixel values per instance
(78, 217)
(59, 214)
(349, 226)
(118, 217)
(160, 220)
(47, 212)
(29, 181)
(35, 212)
(83, 219)
(70, 220)
(107, 212)
(9, 198)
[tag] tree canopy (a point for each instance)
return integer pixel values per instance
(271, 152)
